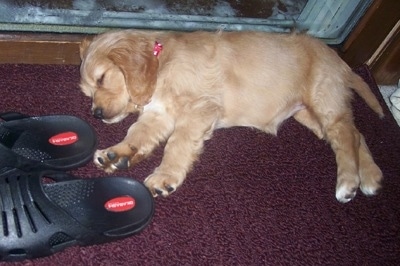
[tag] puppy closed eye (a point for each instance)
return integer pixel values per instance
(100, 80)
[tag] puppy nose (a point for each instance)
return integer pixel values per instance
(98, 113)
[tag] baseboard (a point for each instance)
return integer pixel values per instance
(40, 48)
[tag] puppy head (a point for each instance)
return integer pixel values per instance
(118, 71)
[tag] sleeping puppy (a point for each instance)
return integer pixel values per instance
(186, 85)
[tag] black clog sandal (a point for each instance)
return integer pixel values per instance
(40, 218)
(57, 142)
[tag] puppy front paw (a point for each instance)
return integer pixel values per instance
(121, 156)
(162, 184)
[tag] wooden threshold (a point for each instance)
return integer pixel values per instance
(40, 48)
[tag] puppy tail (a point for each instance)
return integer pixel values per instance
(362, 89)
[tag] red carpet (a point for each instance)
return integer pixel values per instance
(253, 199)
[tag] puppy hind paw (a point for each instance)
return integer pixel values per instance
(370, 190)
(371, 181)
(345, 193)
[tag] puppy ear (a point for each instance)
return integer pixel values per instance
(139, 66)
(83, 48)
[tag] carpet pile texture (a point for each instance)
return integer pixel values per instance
(251, 199)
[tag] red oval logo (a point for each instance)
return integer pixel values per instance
(65, 138)
(120, 204)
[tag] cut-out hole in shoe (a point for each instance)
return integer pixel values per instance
(30, 219)
(17, 223)
(18, 252)
(4, 223)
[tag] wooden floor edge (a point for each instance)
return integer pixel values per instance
(30, 48)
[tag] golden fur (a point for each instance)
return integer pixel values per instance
(203, 81)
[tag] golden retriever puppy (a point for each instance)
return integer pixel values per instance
(186, 85)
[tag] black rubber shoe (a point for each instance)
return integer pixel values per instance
(57, 142)
(44, 212)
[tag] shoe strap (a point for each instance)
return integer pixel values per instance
(8, 116)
